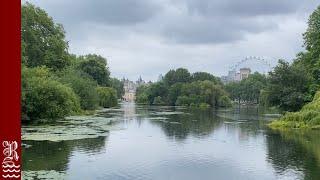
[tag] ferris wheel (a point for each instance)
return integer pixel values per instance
(263, 60)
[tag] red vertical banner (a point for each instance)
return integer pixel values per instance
(10, 89)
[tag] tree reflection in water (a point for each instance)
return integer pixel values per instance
(47, 155)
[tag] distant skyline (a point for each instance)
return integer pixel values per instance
(150, 37)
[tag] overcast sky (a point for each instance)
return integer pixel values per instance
(149, 37)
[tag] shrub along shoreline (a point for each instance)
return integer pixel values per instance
(308, 117)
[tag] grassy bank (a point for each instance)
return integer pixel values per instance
(307, 117)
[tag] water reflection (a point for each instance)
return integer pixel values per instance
(197, 123)
(47, 155)
(295, 150)
(179, 143)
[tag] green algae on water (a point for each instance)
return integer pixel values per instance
(50, 175)
(71, 128)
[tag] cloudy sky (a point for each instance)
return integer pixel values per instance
(149, 37)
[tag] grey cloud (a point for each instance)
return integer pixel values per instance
(149, 37)
(212, 30)
(115, 12)
(213, 21)
(242, 7)
(191, 21)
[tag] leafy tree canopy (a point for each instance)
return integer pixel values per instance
(179, 75)
(96, 67)
(43, 41)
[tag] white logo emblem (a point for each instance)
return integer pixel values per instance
(10, 170)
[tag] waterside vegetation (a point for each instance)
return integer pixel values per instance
(56, 83)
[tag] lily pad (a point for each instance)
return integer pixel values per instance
(157, 118)
(168, 113)
(72, 128)
(173, 122)
(54, 175)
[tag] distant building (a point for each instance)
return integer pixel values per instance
(224, 79)
(234, 76)
(130, 88)
(244, 73)
(140, 82)
(231, 75)
(237, 77)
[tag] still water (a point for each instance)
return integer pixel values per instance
(164, 143)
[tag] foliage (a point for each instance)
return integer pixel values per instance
(308, 117)
(204, 92)
(288, 86)
(204, 105)
(247, 90)
(142, 98)
(107, 97)
(54, 82)
(179, 75)
(224, 101)
(44, 97)
(312, 35)
(179, 89)
(96, 67)
(83, 85)
(311, 58)
(158, 101)
(202, 76)
(42, 40)
(174, 93)
(118, 86)
(156, 89)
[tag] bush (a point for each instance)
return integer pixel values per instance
(83, 86)
(309, 116)
(224, 101)
(158, 101)
(204, 106)
(142, 99)
(183, 101)
(107, 97)
(45, 98)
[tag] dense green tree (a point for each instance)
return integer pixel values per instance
(155, 90)
(107, 97)
(249, 89)
(43, 41)
(206, 92)
(202, 76)
(118, 86)
(179, 75)
(45, 98)
(288, 86)
(83, 85)
(158, 101)
(297, 83)
(312, 35)
(142, 98)
(174, 93)
(233, 88)
(178, 89)
(311, 58)
(96, 67)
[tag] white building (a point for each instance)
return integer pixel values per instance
(130, 88)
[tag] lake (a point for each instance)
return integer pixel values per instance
(175, 143)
